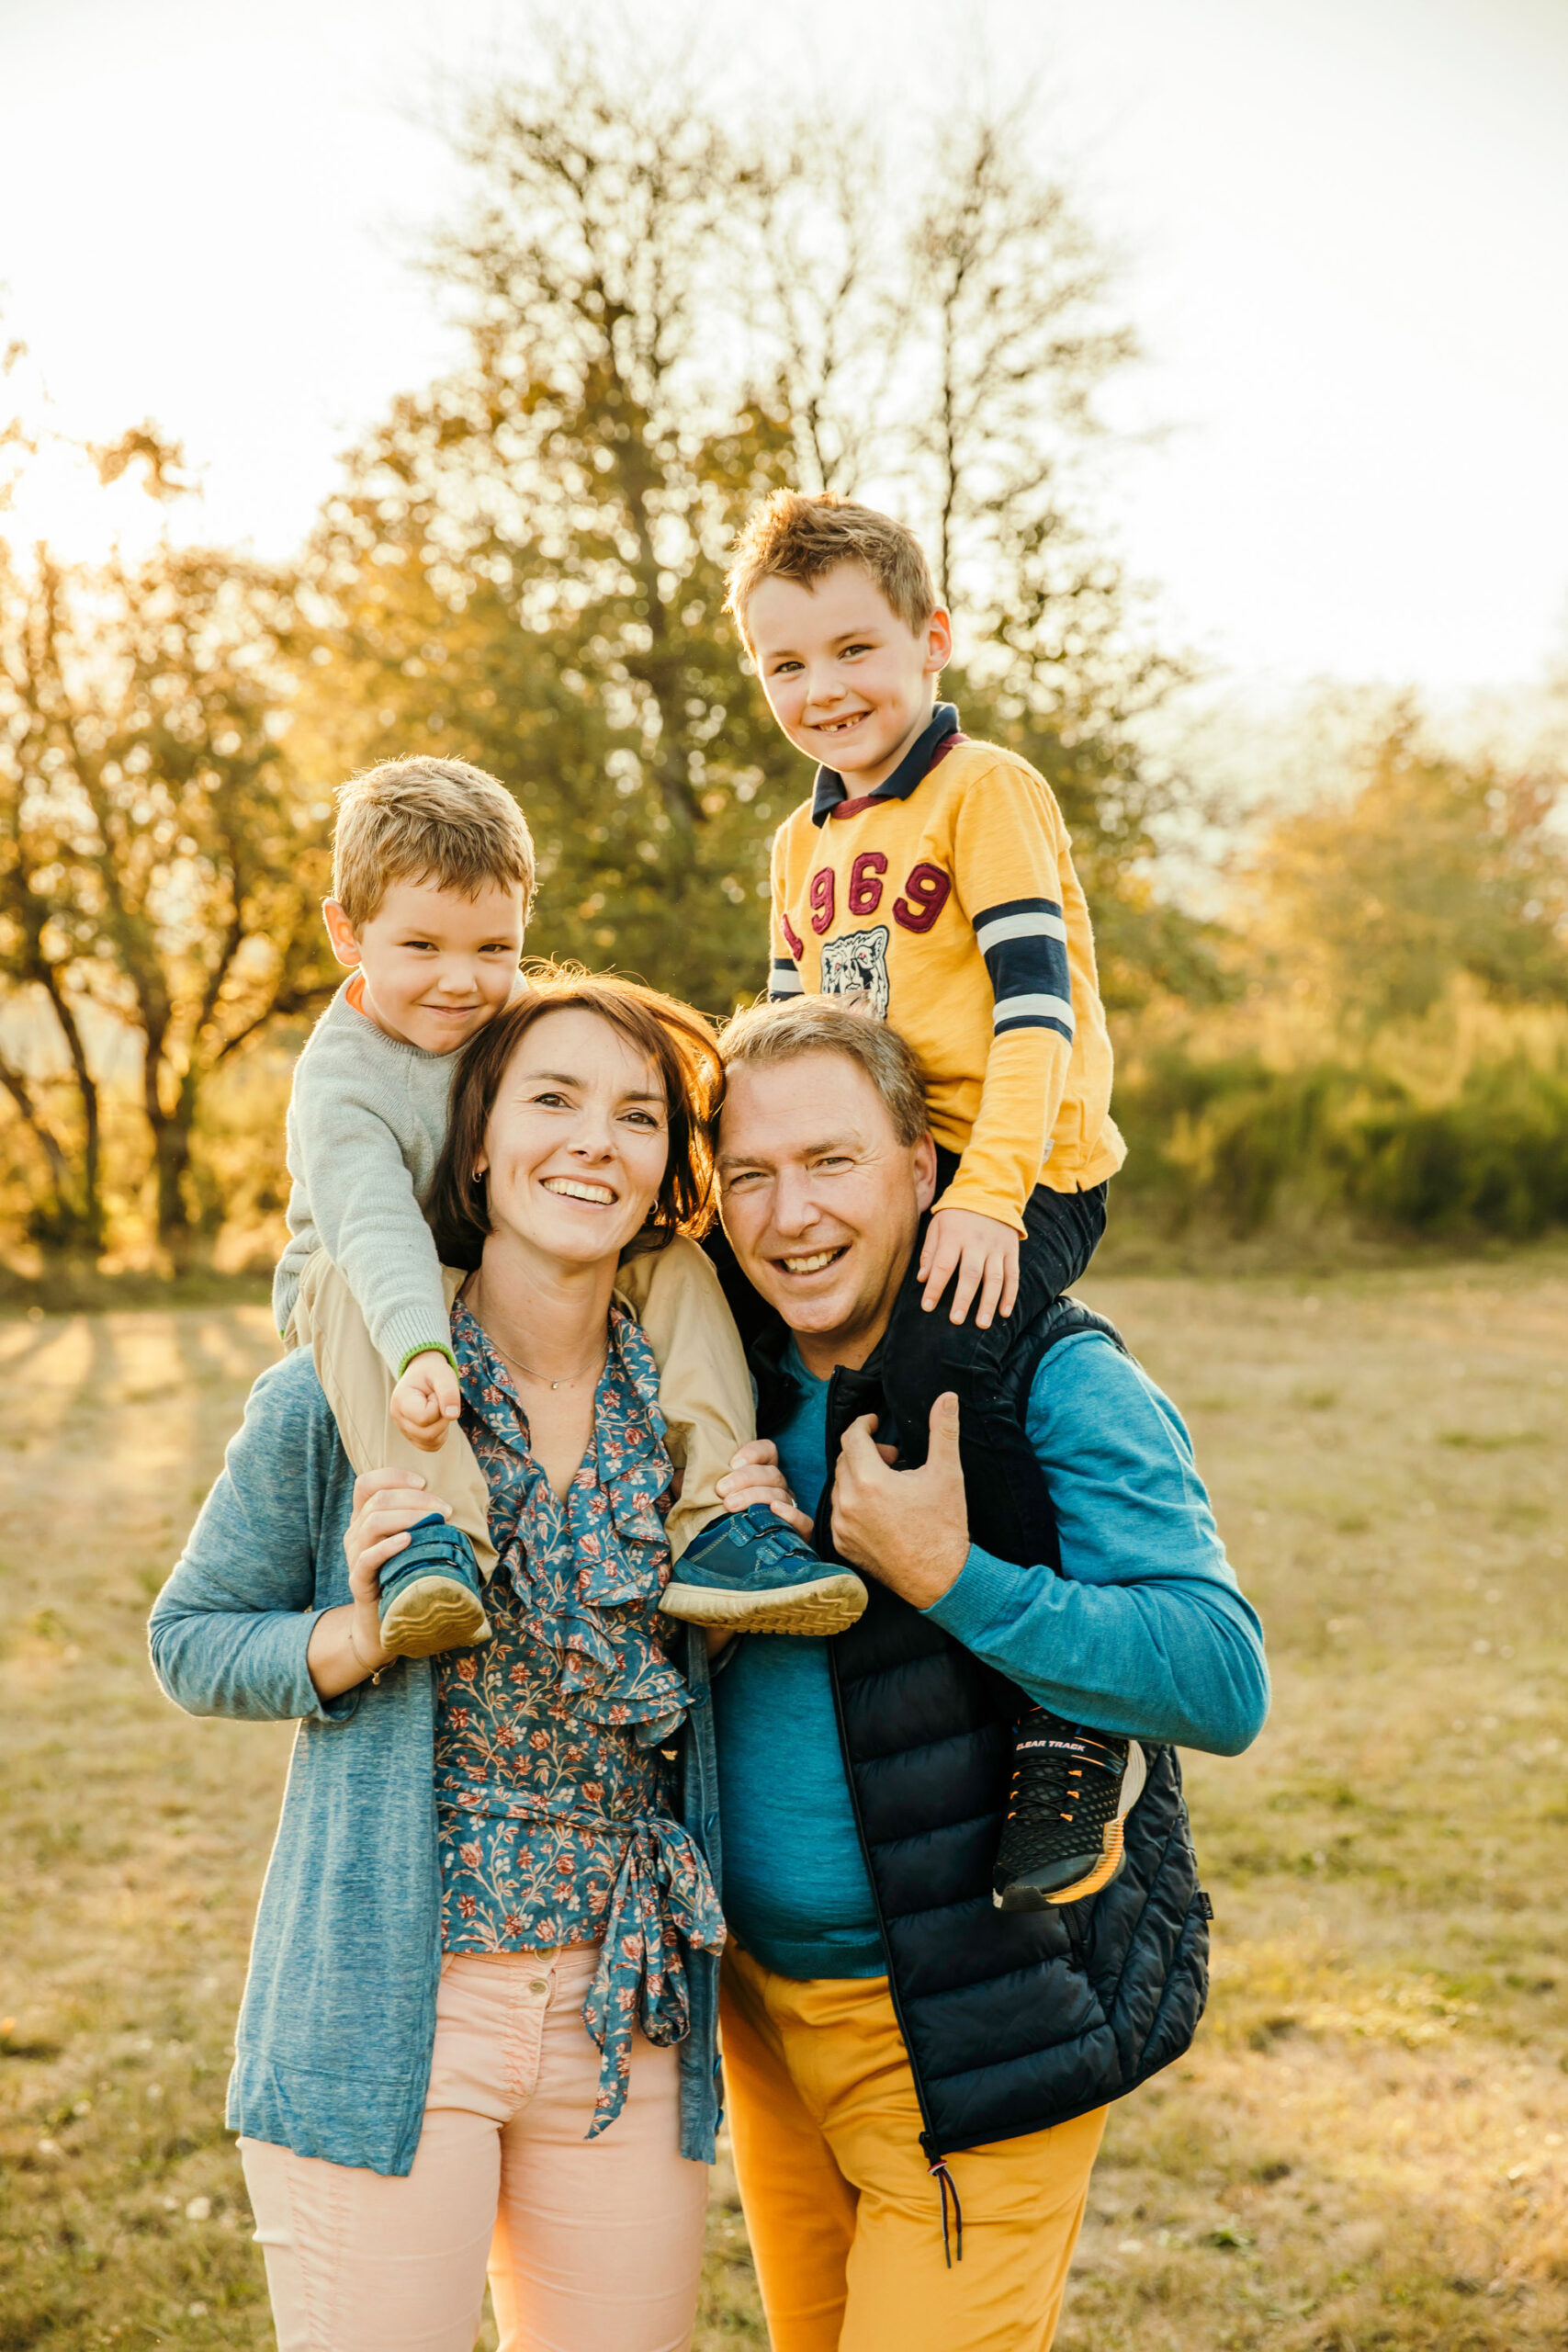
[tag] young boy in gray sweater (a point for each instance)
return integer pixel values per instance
(433, 879)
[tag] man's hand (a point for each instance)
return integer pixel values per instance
(426, 1400)
(754, 1476)
(985, 1254)
(908, 1527)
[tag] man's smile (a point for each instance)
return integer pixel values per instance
(813, 1262)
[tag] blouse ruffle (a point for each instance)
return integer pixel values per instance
(616, 1555)
(552, 1797)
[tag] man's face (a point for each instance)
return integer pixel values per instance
(850, 683)
(820, 1200)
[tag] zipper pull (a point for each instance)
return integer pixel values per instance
(947, 2185)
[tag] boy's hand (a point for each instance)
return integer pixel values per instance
(985, 1254)
(426, 1400)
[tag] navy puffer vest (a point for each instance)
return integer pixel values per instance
(1012, 2021)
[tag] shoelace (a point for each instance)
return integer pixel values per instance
(1065, 1783)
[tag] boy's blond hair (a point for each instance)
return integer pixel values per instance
(760, 1035)
(424, 819)
(791, 536)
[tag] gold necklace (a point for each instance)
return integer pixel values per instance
(567, 1380)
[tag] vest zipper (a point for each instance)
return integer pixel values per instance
(930, 2147)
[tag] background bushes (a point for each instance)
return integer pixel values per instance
(1236, 1142)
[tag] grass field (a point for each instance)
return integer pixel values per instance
(1368, 2146)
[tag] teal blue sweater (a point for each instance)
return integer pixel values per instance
(338, 2022)
(1145, 1632)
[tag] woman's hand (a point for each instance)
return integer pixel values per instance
(386, 1503)
(754, 1478)
(345, 1647)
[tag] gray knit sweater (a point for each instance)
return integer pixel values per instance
(367, 1121)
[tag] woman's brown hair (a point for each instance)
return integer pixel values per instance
(675, 1040)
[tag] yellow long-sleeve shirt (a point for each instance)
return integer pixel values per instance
(947, 895)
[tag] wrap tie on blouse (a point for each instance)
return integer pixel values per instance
(663, 1890)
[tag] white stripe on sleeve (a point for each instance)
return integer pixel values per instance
(1038, 1008)
(1038, 926)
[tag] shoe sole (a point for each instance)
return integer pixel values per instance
(1114, 1852)
(829, 1605)
(433, 1614)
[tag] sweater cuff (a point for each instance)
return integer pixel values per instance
(985, 1590)
(315, 1708)
(426, 1348)
(408, 1329)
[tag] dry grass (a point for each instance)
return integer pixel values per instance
(1369, 2146)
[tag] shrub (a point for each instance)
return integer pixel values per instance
(1246, 1144)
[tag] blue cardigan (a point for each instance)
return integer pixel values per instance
(338, 2022)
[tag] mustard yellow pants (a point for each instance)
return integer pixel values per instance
(704, 1386)
(843, 2216)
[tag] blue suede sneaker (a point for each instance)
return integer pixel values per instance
(430, 1594)
(751, 1574)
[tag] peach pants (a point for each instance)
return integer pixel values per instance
(591, 2246)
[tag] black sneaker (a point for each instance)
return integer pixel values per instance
(1072, 1789)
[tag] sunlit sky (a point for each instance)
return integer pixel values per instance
(1345, 225)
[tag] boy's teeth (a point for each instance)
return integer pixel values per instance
(575, 1191)
(810, 1265)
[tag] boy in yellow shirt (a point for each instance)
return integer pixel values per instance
(932, 877)
(935, 876)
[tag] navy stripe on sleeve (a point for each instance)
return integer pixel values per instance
(1024, 942)
(783, 979)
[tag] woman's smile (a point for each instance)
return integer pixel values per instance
(573, 1188)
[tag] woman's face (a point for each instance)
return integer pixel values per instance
(577, 1141)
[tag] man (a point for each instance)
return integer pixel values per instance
(883, 2021)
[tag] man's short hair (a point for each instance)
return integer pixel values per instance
(791, 536)
(428, 820)
(765, 1034)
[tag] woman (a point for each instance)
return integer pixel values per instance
(481, 1996)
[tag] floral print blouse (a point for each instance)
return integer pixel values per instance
(553, 1798)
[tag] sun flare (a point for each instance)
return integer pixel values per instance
(54, 499)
